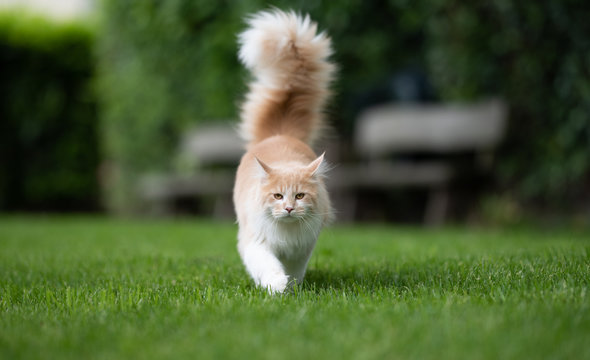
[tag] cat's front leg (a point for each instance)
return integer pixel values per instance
(264, 267)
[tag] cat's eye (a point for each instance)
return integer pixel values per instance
(299, 196)
(278, 196)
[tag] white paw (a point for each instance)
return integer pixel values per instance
(275, 283)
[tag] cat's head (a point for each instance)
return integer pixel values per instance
(293, 192)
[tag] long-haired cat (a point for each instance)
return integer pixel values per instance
(280, 197)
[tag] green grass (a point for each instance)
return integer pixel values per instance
(88, 288)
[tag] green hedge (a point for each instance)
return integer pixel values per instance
(167, 65)
(48, 120)
(164, 65)
(537, 55)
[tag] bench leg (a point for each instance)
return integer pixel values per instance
(224, 207)
(436, 207)
(345, 205)
(159, 208)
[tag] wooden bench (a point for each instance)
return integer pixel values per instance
(213, 152)
(384, 134)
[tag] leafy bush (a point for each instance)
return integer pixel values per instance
(166, 65)
(48, 121)
(536, 54)
(163, 66)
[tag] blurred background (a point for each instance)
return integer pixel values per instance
(445, 110)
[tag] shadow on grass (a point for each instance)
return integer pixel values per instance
(447, 275)
(355, 279)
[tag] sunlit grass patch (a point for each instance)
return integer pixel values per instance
(100, 288)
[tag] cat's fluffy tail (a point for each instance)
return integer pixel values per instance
(292, 74)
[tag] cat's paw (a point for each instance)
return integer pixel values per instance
(275, 283)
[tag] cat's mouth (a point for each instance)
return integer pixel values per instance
(287, 217)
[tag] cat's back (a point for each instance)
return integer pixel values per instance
(281, 149)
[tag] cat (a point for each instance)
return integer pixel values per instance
(280, 196)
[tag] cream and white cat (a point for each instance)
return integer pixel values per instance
(280, 197)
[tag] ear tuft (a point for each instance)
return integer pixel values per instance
(265, 169)
(318, 167)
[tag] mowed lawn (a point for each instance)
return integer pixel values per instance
(98, 288)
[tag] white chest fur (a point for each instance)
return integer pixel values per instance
(292, 240)
(277, 253)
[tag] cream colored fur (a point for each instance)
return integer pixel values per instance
(280, 197)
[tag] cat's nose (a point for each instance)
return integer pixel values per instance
(289, 209)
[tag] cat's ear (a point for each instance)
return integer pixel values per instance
(318, 167)
(265, 170)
